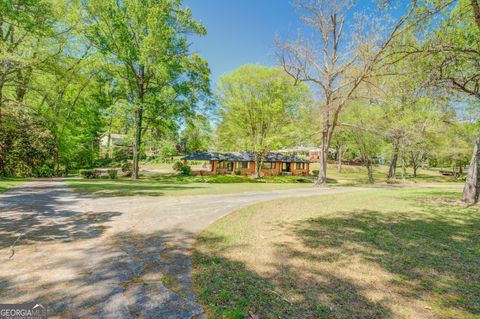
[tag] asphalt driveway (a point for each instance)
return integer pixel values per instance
(123, 257)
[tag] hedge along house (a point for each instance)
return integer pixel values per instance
(275, 163)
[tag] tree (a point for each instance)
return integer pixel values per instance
(258, 106)
(337, 61)
(44, 127)
(24, 26)
(452, 50)
(362, 133)
(196, 135)
(148, 39)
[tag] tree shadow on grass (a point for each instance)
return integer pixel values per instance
(229, 289)
(435, 253)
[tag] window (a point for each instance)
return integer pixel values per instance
(242, 164)
(225, 165)
(299, 165)
(268, 165)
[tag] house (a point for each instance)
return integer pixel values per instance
(275, 163)
(310, 152)
(115, 146)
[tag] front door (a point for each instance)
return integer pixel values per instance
(286, 167)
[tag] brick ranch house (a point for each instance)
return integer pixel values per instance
(275, 163)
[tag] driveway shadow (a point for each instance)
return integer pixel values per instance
(124, 275)
(46, 212)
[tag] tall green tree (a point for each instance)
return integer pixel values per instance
(258, 108)
(452, 50)
(197, 134)
(148, 39)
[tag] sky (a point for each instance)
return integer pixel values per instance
(240, 31)
(243, 31)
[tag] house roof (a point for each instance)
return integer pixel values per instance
(244, 156)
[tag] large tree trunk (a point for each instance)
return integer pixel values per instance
(138, 141)
(415, 163)
(109, 154)
(393, 164)
(472, 185)
(369, 171)
(258, 164)
(138, 122)
(322, 176)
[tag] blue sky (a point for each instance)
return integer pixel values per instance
(240, 31)
(243, 31)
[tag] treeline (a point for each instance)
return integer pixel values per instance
(405, 88)
(72, 71)
(366, 84)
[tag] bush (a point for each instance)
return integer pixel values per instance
(178, 166)
(237, 171)
(127, 169)
(44, 171)
(315, 172)
(87, 173)
(112, 173)
(185, 169)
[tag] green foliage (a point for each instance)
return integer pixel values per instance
(112, 173)
(44, 171)
(315, 172)
(185, 170)
(177, 166)
(87, 173)
(52, 126)
(149, 38)
(237, 171)
(197, 135)
(127, 168)
(259, 107)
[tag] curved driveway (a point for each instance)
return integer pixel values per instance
(122, 257)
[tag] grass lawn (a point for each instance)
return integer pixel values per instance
(386, 253)
(172, 184)
(157, 185)
(7, 183)
(356, 175)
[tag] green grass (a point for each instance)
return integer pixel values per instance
(357, 175)
(172, 184)
(156, 185)
(7, 183)
(389, 253)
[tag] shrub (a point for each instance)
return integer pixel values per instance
(178, 166)
(185, 169)
(44, 171)
(127, 168)
(87, 173)
(112, 173)
(315, 172)
(237, 171)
